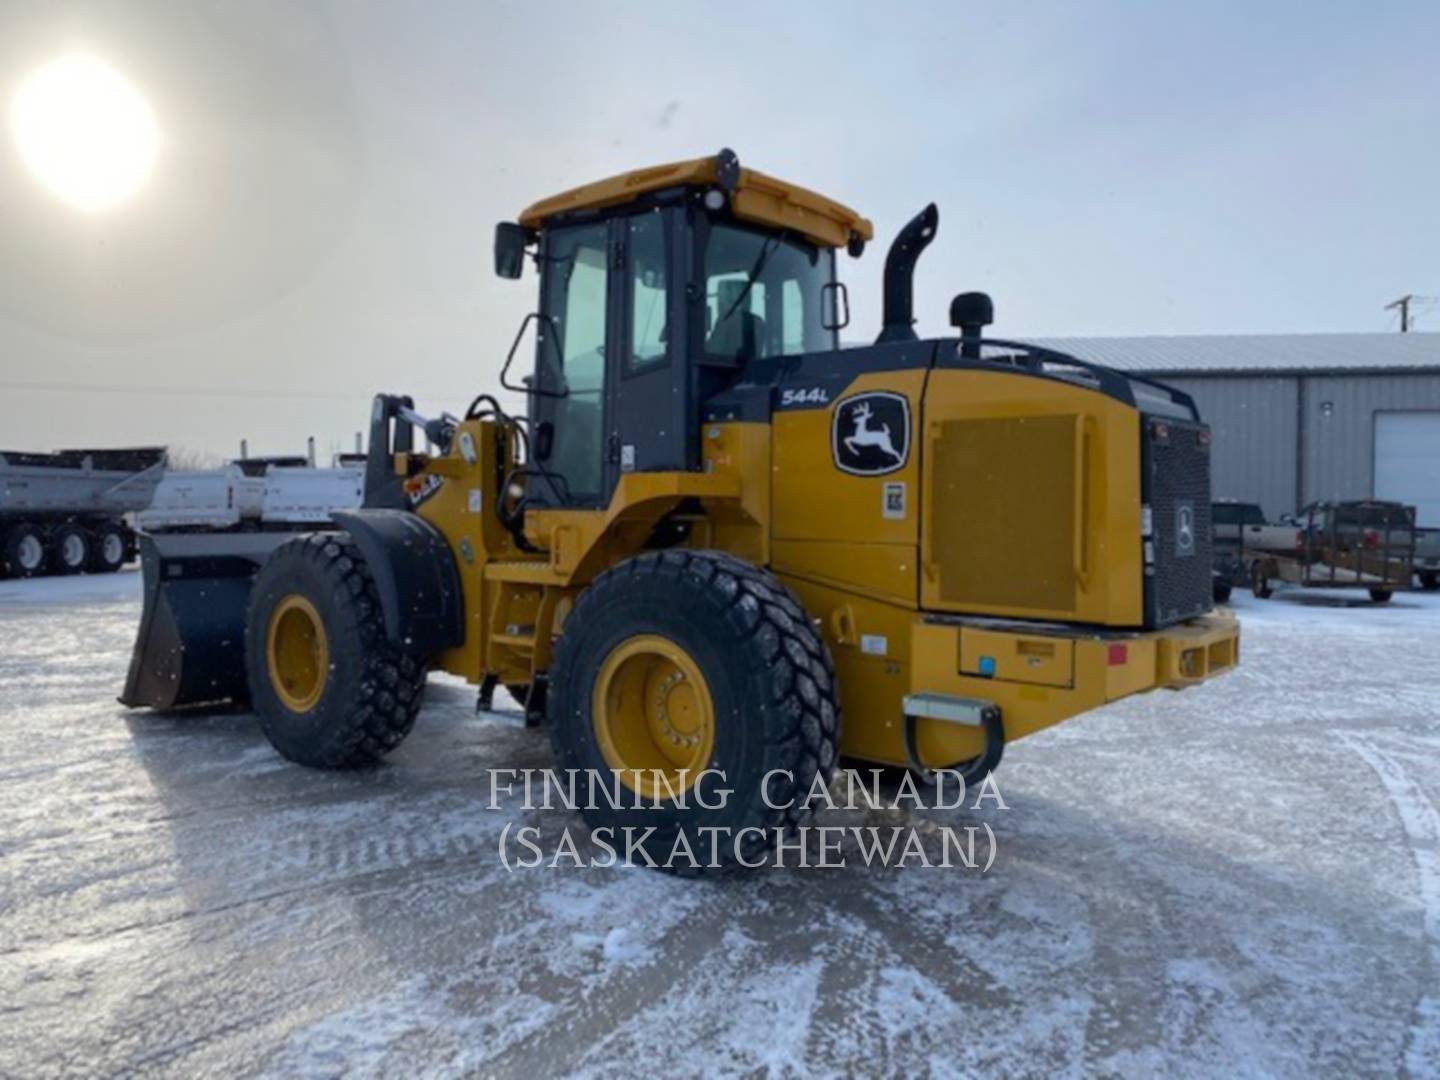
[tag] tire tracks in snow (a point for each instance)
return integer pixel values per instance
(1420, 821)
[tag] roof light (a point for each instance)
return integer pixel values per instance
(714, 199)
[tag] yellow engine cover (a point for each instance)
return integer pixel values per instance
(1031, 503)
(1020, 498)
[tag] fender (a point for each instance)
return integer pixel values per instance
(416, 575)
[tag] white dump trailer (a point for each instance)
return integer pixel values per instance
(64, 513)
(254, 494)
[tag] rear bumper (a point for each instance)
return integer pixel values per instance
(1201, 649)
(1041, 675)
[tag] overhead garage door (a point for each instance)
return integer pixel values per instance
(1407, 461)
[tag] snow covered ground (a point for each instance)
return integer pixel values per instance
(1241, 879)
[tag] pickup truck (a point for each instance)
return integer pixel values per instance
(1243, 525)
(1238, 528)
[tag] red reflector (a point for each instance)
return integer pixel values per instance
(1119, 654)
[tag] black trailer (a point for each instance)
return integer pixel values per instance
(1365, 544)
(64, 513)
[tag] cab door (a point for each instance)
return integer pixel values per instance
(651, 420)
(574, 341)
(611, 392)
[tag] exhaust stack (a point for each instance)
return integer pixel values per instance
(913, 239)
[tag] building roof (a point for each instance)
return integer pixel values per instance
(753, 195)
(1249, 354)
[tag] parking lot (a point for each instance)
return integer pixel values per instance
(1239, 879)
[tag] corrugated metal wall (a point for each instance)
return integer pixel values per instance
(1254, 420)
(1254, 449)
(1340, 439)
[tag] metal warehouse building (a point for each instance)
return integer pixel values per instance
(1299, 417)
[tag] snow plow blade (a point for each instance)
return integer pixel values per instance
(191, 646)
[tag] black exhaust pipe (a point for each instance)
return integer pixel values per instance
(900, 275)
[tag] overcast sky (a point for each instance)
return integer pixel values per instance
(317, 224)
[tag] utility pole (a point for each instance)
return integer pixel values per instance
(1404, 305)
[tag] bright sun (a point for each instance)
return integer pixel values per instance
(85, 132)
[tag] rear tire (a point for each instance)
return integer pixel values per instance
(766, 681)
(70, 549)
(108, 549)
(25, 551)
(1381, 596)
(330, 689)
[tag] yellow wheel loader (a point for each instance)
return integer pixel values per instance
(722, 551)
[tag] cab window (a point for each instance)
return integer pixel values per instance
(649, 294)
(576, 266)
(763, 295)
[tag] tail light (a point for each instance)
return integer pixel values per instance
(1160, 431)
(1372, 539)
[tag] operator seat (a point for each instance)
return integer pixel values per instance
(742, 335)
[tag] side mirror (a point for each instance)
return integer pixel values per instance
(510, 243)
(834, 305)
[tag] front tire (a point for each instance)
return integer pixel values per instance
(330, 689)
(1381, 596)
(683, 661)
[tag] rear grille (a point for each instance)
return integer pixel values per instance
(1175, 463)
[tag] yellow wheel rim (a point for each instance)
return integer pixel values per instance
(653, 716)
(297, 653)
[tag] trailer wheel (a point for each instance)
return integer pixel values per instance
(108, 549)
(330, 689)
(70, 549)
(679, 662)
(1381, 596)
(1259, 583)
(25, 551)
(1430, 580)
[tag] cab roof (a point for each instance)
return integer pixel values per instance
(753, 197)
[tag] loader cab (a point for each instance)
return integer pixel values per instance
(648, 306)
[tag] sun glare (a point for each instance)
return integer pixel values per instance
(84, 131)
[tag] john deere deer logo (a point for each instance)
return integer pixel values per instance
(870, 435)
(1184, 529)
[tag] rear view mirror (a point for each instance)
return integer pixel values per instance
(510, 241)
(834, 305)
